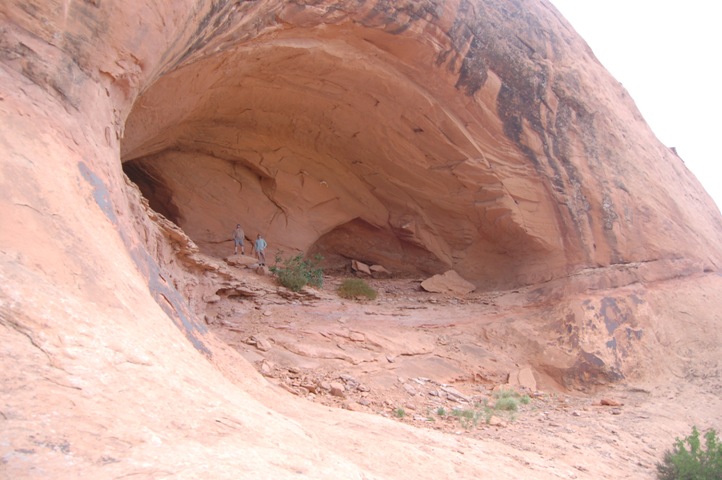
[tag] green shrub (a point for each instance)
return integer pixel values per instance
(506, 400)
(507, 403)
(399, 413)
(504, 393)
(467, 418)
(458, 412)
(354, 288)
(296, 272)
(488, 413)
(695, 463)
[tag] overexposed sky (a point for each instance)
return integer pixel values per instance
(668, 55)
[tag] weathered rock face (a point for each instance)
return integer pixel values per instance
(424, 136)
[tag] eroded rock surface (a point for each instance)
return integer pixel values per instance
(423, 136)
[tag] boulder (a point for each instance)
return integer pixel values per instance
(360, 267)
(378, 271)
(523, 378)
(449, 282)
(241, 260)
(337, 389)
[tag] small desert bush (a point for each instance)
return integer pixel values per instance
(399, 413)
(463, 413)
(507, 400)
(505, 393)
(296, 272)
(467, 417)
(355, 288)
(689, 460)
(508, 404)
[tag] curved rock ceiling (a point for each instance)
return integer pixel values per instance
(420, 136)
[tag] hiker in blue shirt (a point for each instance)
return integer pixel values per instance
(259, 246)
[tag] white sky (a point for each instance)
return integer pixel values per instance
(668, 55)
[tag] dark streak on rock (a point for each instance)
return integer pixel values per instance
(167, 297)
(56, 79)
(611, 314)
(590, 370)
(209, 26)
(473, 73)
(170, 300)
(101, 195)
(512, 44)
(396, 17)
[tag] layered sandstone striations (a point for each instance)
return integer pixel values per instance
(423, 136)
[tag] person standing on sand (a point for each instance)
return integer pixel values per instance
(238, 237)
(260, 246)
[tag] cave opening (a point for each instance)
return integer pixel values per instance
(158, 194)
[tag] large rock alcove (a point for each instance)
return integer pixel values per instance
(323, 139)
(400, 139)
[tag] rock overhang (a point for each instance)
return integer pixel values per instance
(339, 127)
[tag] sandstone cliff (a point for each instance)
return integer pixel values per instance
(481, 136)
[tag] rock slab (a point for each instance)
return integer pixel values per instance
(449, 282)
